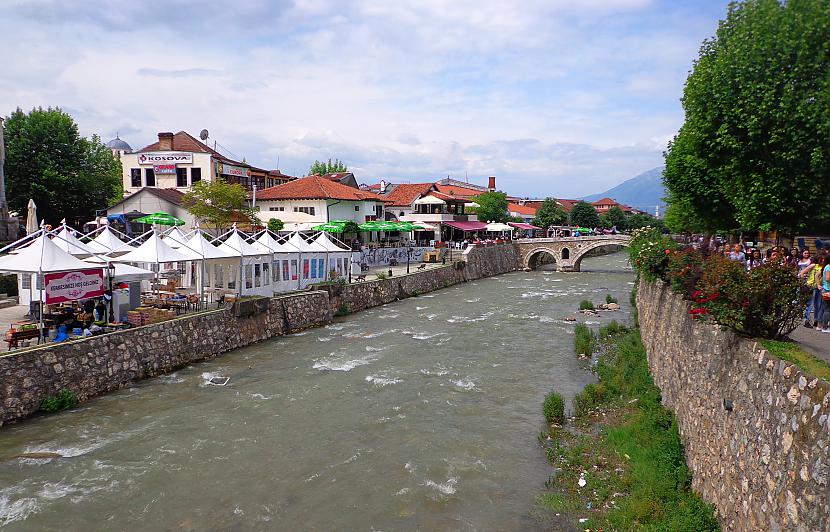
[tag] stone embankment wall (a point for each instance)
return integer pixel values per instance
(478, 262)
(93, 366)
(764, 464)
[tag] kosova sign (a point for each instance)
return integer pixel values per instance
(165, 158)
(71, 286)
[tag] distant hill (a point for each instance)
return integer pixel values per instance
(643, 192)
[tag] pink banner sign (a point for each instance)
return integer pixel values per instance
(71, 286)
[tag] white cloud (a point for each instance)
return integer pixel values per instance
(396, 89)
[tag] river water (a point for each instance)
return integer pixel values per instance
(422, 414)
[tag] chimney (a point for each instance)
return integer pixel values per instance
(165, 141)
(491, 183)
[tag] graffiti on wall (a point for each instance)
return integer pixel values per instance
(382, 256)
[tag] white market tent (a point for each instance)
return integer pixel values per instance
(339, 258)
(429, 200)
(214, 262)
(254, 265)
(175, 237)
(108, 242)
(40, 257)
(67, 241)
(153, 251)
(123, 272)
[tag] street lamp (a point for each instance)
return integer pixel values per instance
(110, 275)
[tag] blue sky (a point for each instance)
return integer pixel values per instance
(554, 97)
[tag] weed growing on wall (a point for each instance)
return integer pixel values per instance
(60, 401)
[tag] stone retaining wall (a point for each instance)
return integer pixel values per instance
(93, 366)
(764, 464)
(477, 262)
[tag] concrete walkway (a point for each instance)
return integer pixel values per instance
(813, 342)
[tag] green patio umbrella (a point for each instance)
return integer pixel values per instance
(334, 226)
(369, 226)
(160, 218)
(388, 226)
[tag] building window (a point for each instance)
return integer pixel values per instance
(307, 210)
(357, 208)
(195, 175)
(401, 214)
(135, 177)
(379, 212)
(280, 209)
(149, 177)
(181, 177)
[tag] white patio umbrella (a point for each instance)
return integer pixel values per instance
(31, 218)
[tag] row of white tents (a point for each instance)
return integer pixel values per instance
(235, 262)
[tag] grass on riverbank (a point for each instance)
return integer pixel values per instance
(626, 447)
(792, 352)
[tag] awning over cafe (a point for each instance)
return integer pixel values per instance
(519, 225)
(466, 226)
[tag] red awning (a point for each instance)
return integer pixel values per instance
(518, 225)
(466, 226)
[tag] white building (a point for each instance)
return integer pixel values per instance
(303, 203)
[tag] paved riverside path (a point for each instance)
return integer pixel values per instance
(812, 341)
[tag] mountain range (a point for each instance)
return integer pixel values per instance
(644, 192)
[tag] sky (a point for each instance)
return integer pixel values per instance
(553, 97)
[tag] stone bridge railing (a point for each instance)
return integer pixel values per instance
(568, 252)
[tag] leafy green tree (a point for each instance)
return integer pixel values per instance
(492, 207)
(638, 220)
(583, 214)
(327, 167)
(275, 225)
(217, 204)
(681, 217)
(48, 161)
(550, 213)
(615, 217)
(753, 151)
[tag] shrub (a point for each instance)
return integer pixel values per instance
(382, 276)
(776, 301)
(589, 398)
(583, 339)
(8, 285)
(612, 329)
(684, 270)
(554, 408)
(649, 252)
(61, 401)
(586, 305)
(343, 309)
(610, 299)
(721, 292)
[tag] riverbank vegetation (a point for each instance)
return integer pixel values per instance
(619, 463)
(792, 352)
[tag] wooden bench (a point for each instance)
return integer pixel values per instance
(14, 337)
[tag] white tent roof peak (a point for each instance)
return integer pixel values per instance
(268, 243)
(67, 241)
(324, 241)
(298, 243)
(199, 247)
(237, 246)
(175, 237)
(155, 251)
(41, 256)
(107, 241)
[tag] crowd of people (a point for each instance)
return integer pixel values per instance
(814, 270)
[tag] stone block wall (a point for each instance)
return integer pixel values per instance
(764, 463)
(478, 262)
(93, 366)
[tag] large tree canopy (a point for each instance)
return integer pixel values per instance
(550, 213)
(67, 175)
(492, 207)
(753, 151)
(327, 167)
(584, 214)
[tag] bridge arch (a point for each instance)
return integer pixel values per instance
(568, 252)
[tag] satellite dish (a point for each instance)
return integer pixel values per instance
(203, 134)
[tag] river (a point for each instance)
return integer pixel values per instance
(422, 414)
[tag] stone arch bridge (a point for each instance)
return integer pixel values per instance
(568, 252)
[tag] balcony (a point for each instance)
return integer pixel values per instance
(434, 217)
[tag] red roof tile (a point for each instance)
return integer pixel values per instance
(455, 190)
(605, 201)
(184, 141)
(522, 209)
(316, 187)
(404, 194)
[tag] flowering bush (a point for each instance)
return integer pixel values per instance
(649, 252)
(766, 302)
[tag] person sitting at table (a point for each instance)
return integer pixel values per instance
(100, 312)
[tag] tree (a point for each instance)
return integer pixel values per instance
(583, 214)
(638, 220)
(753, 151)
(275, 225)
(615, 217)
(681, 217)
(48, 161)
(492, 207)
(329, 167)
(217, 204)
(550, 213)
